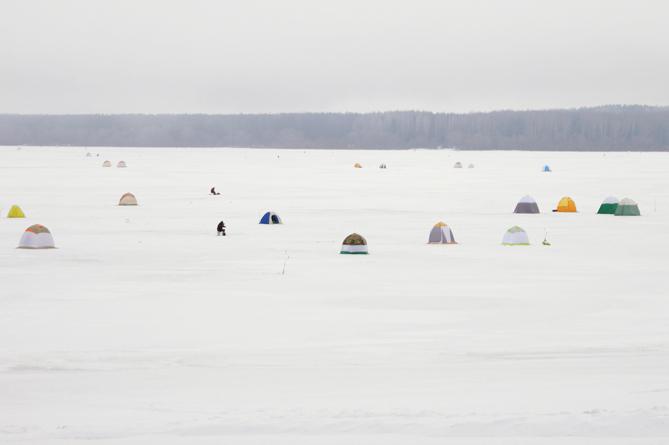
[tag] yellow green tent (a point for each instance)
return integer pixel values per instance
(16, 212)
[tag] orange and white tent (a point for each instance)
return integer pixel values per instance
(36, 237)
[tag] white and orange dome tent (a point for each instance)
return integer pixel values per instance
(36, 237)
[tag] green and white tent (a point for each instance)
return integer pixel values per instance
(627, 207)
(609, 206)
(515, 236)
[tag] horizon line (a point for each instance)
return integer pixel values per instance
(280, 113)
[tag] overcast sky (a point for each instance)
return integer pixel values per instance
(169, 56)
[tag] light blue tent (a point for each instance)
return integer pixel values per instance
(547, 168)
(270, 218)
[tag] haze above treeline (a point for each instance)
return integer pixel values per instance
(611, 127)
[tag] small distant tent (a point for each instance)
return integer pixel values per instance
(515, 236)
(566, 204)
(128, 199)
(627, 207)
(547, 168)
(106, 164)
(121, 164)
(354, 244)
(383, 166)
(457, 165)
(441, 234)
(36, 237)
(470, 166)
(270, 218)
(609, 206)
(357, 165)
(16, 212)
(88, 155)
(527, 204)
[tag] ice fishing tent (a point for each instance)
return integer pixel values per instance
(609, 206)
(270, 218)
(128, 199)
(457, 165)
(470, 166)
(357, 165)
(566, 204)
(627, 207)
(121, 164)
(527, 204)
(16, 212)
(515, 236)
(36, 237)
(354, 244)
(441, 234)
(547, 168)
(106, 164)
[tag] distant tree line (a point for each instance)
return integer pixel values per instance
(614, 127)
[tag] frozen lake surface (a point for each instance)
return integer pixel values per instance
(145, 327)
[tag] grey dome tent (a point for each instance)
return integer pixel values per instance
(527, 204)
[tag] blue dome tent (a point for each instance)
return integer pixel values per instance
(547, 168)
(270, 218)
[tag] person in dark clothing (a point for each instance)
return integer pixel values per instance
(213, 191)
(221, 229)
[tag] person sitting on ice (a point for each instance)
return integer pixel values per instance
(213, 191)
(545, 241)
(221, 229)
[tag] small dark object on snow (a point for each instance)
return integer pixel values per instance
(213, 191)
(221, 229)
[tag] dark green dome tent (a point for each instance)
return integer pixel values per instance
(609, 206)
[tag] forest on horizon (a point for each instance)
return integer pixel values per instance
(612, 127)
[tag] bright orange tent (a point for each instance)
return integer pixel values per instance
(566, 204)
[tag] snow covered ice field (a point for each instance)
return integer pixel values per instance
(145, 327)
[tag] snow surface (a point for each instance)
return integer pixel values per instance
(145, 327)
